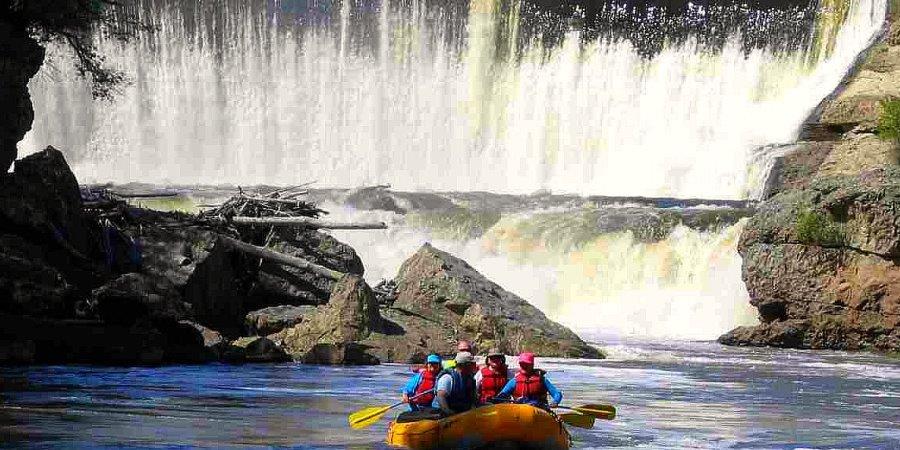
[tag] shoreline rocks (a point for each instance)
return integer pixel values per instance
(821, 258)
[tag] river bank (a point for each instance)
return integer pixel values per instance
(669, 395)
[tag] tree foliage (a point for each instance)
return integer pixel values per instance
(75, 23)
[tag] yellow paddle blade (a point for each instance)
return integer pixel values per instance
(598, 411)
(366, 416)
(577, 420)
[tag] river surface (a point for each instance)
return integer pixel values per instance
(669, 395)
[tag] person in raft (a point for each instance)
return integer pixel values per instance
(421, 383)
(456, 388)
(492, 377)
(461, 346)
(531, 385)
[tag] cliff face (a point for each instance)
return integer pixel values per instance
(20, 59)
(821, 258)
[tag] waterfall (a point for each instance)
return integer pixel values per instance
(490, 95)
(455, 96)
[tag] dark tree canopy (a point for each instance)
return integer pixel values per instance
(74, 24)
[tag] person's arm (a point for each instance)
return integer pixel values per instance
(478, 378)
(555, 393)
(444, 384)
(507, 390)
(410, 387)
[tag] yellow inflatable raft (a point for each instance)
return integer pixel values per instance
(492, 426)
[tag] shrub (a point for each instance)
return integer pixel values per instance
(889, 120)
(818, 229)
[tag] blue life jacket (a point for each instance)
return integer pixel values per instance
(462, 393)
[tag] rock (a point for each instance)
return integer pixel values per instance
(16, 352)
(41, 201)
(278, 285)
(276, 318)
(132, 297)
(255, 350)
(785, 334)
(821, 264)
(29, 285)
(218, 288)
(67, 341)
(440, 299)
(857, 153)
(216, 346)
(20, 58)
(350, 316)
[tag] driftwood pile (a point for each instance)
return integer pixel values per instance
(246, 222)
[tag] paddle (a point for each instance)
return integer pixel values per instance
(597, 411)
(577, 420)
(372, 414)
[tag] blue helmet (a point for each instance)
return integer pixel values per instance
(433, 359)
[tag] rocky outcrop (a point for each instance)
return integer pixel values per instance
(133, 297)
(328, 335)
(821, 257)
(439, 300)
(447, 299)
(278, 285)
(20, 59)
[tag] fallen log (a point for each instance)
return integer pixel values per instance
(307, 222)
(284, 201)
(280, 258)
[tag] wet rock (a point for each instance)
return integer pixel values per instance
(132, 297)
(255, 350)
(276, 318)
(785, 334)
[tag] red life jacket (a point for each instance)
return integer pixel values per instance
(425, 384)
(492, 383)
(531, 386)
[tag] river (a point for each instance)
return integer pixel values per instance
(669, 395)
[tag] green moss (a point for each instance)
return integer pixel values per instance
(816, 228)
(889, 120)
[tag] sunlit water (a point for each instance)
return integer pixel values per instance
(673, 395)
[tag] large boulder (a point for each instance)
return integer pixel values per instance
(279, 285)
(41, 201)
(441, 298)
(332, 334)
(273, 319)
(214, 343)
(218, 287)
(132, 297)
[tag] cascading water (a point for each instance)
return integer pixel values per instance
(481, 95)
(426, 96)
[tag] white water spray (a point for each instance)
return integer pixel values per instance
(433, 110)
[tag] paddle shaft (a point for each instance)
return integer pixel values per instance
(595, 412)
(386, 409)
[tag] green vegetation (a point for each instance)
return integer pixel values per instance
(816, 228)
(889, 120)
